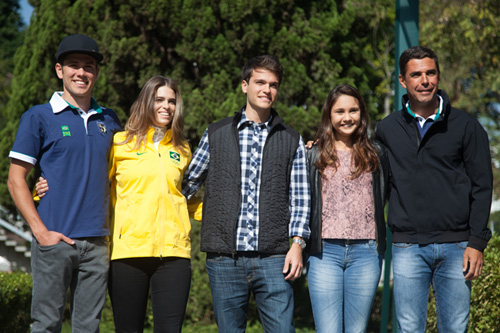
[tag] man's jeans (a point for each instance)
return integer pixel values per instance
(82, 267)
(343, 280)
(232, 281)
(415, 268)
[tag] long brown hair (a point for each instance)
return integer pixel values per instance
(142, 114)
(364, 154)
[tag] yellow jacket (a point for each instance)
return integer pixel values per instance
(150, 215)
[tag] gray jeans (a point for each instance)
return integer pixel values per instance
(83, 268)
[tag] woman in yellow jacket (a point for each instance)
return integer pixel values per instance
(151, 246)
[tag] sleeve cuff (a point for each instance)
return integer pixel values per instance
(22, 157)
(477, 243)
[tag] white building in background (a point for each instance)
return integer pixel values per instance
(5, 266)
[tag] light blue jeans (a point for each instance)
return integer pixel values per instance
(415, 268)
(343, 282)
(83, 268)
(232, 281)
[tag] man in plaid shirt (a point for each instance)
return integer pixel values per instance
(257, 197)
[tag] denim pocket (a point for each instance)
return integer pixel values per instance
(462, 245)
(372, 246)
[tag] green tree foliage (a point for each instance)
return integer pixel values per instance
(203, 45)
(11, 34)
(11, 37)
(11, 26)
(466, 37)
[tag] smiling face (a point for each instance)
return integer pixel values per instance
(261, 90)
(346, 118)
(421, 82)
(79, 74)
(164, 106)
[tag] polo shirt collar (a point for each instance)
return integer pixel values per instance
(58, 103)
(433, 117)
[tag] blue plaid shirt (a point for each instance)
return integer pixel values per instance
(253, 136)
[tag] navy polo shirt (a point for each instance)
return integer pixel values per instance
(71, 151)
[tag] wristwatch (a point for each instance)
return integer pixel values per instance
(300, 241)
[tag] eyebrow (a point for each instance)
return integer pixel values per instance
(427, 71)
(275, 83)
(348, 109)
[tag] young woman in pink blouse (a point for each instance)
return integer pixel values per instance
(348, 176)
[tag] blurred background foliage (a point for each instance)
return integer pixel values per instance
(204, 43)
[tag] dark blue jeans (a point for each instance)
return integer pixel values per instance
(232, 281)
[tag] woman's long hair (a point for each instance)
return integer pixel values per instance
(364, 154)
(142, 114)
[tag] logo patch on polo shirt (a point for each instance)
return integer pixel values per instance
(65, 130)
(175, 157)
(102, 127)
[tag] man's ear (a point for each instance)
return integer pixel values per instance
(402, 81)
(59, 70)
(244, 86)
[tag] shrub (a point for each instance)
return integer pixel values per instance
(485, 297)
(199, 308)
(15, 301)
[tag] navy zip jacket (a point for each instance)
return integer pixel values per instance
(440, 184)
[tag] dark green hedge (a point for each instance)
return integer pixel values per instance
(15, 300)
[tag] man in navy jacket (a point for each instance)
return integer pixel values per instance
(440, 198)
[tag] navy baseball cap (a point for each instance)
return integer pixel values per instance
(78, 44)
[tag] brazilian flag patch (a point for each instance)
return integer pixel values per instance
(175, 157)
(65, 130)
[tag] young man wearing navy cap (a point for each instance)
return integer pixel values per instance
(68, 140)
